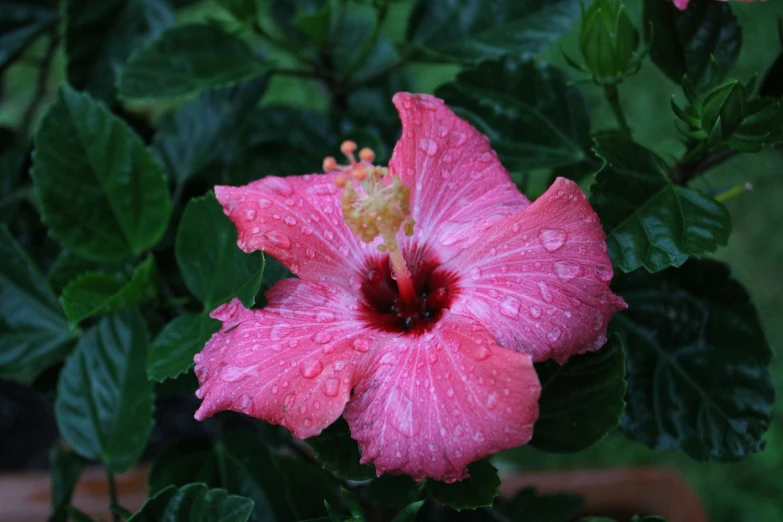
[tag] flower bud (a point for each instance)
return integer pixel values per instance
(723, 110)
(607, 40)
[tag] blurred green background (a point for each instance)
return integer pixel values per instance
(750, 491)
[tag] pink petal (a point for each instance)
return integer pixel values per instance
(293, 363)
(539, 281)
(431, 404)
(458, 186)
(298, 220)
(681, 4)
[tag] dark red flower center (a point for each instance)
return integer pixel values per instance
(385, 310)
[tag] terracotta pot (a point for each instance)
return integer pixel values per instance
(620, 493)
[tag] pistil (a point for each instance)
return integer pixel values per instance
(375, 204)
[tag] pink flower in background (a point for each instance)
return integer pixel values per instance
(434, 369)
(683, 4)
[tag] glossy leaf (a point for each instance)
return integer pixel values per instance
(96, 293)
(649, 221)
(582, 400)
(104, 401)
(408, 513)
(301, 475)
(534, 118)
(703, 41)
(21, 22)
(556, 507)
(101, 192)
(205, 130)
(473, 30)
(240, 463)
(171, 353)
(34, 333)
(475, 492)
(66, 467)
(698, 361)
(194, 503)
(212, 265)
(186, 60)
(100, 35)
(243, 10)
(339, 453)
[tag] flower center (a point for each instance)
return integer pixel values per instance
(387, 310)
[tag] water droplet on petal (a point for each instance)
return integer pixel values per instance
(482, 353)
(250, 215)
(275, 390)
(236, 373)
(289, 401)
(332, 388)
(279, 185)
(598, 321)
(535, 312)
(311, 369)
(429, 147)
(567, 270)
(245, 404)
(459, 138)
(278, 239)
(290, 221)
(322, 337)
(475, 273)
(602, 245)
(604, 273)
(554, 334)
(450, 393)
(360, 345)
(324, 317)
(328, 235)
(546, 293)
(510, 307)
(264, 203)
(310, 253)
(492, 400)
(552, 239)
(516, 227)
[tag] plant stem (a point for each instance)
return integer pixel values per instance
(689, 170)
(613, 97)
(112, 495)
(733, 192)
(44, 67)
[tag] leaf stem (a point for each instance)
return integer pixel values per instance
(112, 495)
(613, 97)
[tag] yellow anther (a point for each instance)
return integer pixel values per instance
(408, 227)
(366, 154)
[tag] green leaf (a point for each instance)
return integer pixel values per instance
(104, 401)
(11, 164)
(703, 41)
(533, 117)
(697, 365)
(100, 35)
(21, 22)
(186, 60)
(557, 507)
(171, 353)
(96, 293)
(339, 453)
(649, 221)
(213, 267)
(34, 333)
(408, 513)
(243, 10)
(582, 400)
(76, 515)
(194, 503)
(475, 492)
(240, 463)
(473, 30)
(319, 485)
(205, 130)
(391, 491)
(101, 192)
(66, 467)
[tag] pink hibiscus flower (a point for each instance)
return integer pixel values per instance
(424, 341)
